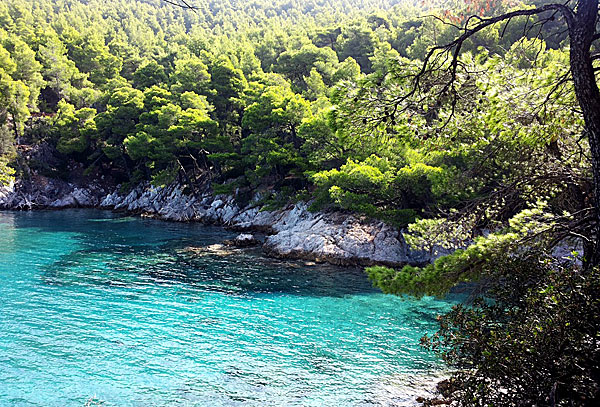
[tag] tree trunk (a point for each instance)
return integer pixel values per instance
(15, 129)
(581, 34)
(187, 179)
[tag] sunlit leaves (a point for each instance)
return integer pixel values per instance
(74, 128)
(376, 187)
(6, 172)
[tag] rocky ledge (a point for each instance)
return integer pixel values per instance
(243, 240)
(292, 232)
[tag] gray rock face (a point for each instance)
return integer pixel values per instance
(6, 192)
(294, 232)
(339, 239)
(43, 192)
(243, 240)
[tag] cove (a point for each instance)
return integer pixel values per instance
(109, 310)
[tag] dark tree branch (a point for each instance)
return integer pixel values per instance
(563, 79)
(505, 27)
(438, 18)
(486, 22)
(182, 3)
(431, 62)
(441, 65)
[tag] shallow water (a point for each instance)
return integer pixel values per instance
(117, 311)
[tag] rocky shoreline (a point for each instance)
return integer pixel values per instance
(292, 232)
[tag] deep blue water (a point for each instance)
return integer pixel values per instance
(99, 309)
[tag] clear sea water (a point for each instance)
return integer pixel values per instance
(100, 309)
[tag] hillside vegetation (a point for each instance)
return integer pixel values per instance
(307, 100)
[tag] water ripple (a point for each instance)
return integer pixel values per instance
(119, 312)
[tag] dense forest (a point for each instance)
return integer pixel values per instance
(316, 100)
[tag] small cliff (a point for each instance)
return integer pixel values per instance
(292, 232)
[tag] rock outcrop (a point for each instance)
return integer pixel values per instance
(293, 232)
(6, 191)
(41, 192)
(243, 240)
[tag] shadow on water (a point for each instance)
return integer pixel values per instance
(134, 252)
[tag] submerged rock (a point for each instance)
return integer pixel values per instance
(214, 249)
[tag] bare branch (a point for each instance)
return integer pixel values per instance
(433, 59)
(182, 3)
(442, 21)
(505, 27)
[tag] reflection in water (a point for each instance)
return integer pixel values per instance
(121, 311)
(8, 233)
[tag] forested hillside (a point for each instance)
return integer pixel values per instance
(252, 95)
(68, 59)
(317, 101)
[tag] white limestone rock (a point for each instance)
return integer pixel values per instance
(65, 202)
(243, 240)
(295, 232)
(338, 239)
(6, 193)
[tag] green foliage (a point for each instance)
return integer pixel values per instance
(358, 42)
(499, 161)
(92, 56)
(305, 99)
(532, 340)
(224, 189)
(191, 75)
(164, 177)
(298, 65)
(74, 128)
(6, 172)
(227, 84)
(272, 146)
(320, 143)
(377, 188)
(119, 120)
(14, 96)
(531, 228)
(29, 68)
(149, 74)
(348, 70)
(166, 131)
(283, 95)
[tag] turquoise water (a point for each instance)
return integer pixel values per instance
(99, 309)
